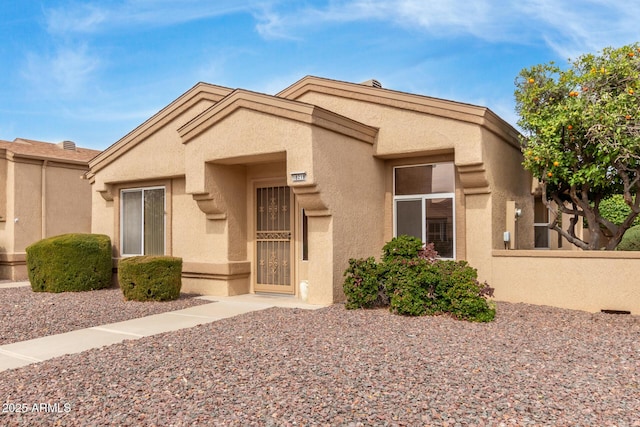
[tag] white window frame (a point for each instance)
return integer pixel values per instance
(423, 198)
(164, 219)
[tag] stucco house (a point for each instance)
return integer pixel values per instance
(261, 193)
(42, 194)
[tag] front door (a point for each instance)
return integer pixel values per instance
(274, 222)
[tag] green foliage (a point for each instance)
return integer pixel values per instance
(631, 240)
(362, 286)
(582, 139)
(413, 283)
(403, 247)
(410, 284)
(463, 295)
(146, 278)
(616, 210)
(70, 262)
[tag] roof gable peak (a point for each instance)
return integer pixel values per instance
(199, 92)
(274, 106)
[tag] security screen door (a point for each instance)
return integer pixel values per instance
(273, 240)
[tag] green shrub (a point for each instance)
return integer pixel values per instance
(412, 282)
(70, 262)
(616, 210)
(461, 294)
(362, 286)
(418, 287)
(410, 285)
(631, 240)
(404, 247)
(150, 278)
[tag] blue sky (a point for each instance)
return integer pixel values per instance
(91, 71)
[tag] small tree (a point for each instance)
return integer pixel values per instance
(582, 138)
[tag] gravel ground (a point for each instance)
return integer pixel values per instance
(284, 367)
(25, 314)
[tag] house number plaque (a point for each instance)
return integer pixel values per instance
(299, 176)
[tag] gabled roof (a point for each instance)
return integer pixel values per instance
(27, 148)
(280, 107)
(433, 106)
(287, 105)
(201, 91)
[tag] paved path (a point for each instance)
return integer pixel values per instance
(36, 350)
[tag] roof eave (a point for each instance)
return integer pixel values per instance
(447, 109)
(288, 109)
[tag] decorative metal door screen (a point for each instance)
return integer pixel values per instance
(273, 240)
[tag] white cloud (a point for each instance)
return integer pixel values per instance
(272, 25)
(97, 16)
(564, 25)
(66, 72)
(571, 28)
(567, 27)
(439, 17)
(81, 19)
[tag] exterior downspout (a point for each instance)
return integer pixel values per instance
(43, 207)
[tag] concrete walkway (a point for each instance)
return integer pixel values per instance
(36, 350)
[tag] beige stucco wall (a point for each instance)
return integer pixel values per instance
(68, 206)
(194, 238)
(43, 198)
(405, 132)
(321, 260)
(224, 163)
(3, 189)
(486, 213)
(27, 204)
(215, 160)
(478, 217)
(7, 224)
(246, 137)
(489, 171)
(353, 182)
(102, 215)
(211, 164)
(156, 159)
(509, 182)
(211, 218)
(159, 156)
(346, 218)
(580, 280)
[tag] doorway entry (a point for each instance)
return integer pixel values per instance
(274, 225)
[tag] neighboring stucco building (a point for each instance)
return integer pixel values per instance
(42, 194)
(260, 193)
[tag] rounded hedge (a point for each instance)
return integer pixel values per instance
(616, 210)
(150, 278)
(70, 262)
(631, 240)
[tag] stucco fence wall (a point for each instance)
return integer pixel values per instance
(580, 280)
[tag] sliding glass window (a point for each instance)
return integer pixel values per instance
(142, 223)
(424, 205)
